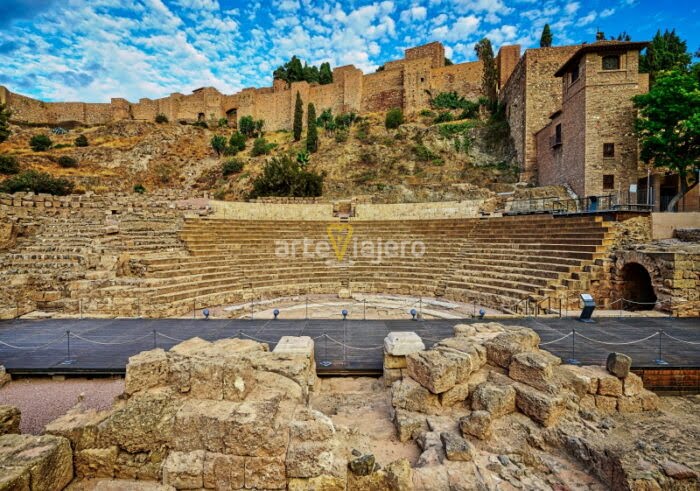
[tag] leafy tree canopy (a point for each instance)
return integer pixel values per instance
(4, 126)
(668, 127)
(546, 38)
(283, 176)
(294, 71)
(666, 51)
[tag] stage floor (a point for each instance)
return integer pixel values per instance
(99, 346)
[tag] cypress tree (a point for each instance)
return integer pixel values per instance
(489, 80)
(298, 118)
(546, 39)
(311, 130)
(4, 126)
(325, 75)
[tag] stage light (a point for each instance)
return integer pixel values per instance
(276, 312)
(482, 313)
(205, 313)
(413, 314)
(345, 314)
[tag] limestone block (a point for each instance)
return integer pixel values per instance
(575, 379)
(408, 394)
(319, 483)
(265, 473)
(629, 404)
(457, 394)
(238, 380)
(632, 384)
(391, 375)
(476, 424)
(146, 370)
(207, 378)
(535, 368)
(606, 404)
(402, 343)
(649, 400)
(466, 330)
(456, 447)
(10, 417)
(618, 364)
(4, 376)
(540, 407)
(103, 484)
(96, 462)
(184, 470)
(476, 350)
(439, 370)
(35, 463)
(498, 400)
(80, 427)
(223, 471)
(362, 465)
(607, 384)
(309, 459)
(587, 402)
(391, 361)
(140, 465)
(501, 348)
(311, 425)
(409, 423)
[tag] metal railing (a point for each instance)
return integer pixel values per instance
(558, 205)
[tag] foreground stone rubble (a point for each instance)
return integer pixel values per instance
(487, 408)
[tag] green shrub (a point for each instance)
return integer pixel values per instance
(231, 166)
(345, 120)
(444, 117)
(40, 143)
(394, 118)
(367, 157)
(139, 188)
(8, 164)
(449, 130)
(303, 159)
(247, 126)
(223, 122)
(362, 132)
(424, 154)
(200, 124)
(341, 136)
(325, 120)
(261, 147)
(427, 113)
(470, 110)
(161, 118)
(282, 176)
(81, 141)
(4, 122)
(218, 143)
(237, 141)
(61, 145)
(67, 162)
(37, 182)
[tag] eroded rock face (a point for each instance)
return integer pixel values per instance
(9, 419)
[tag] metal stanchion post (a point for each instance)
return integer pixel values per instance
(573, 360)
(660, 359)
(364, 309)
(307, 307)
(155, 342)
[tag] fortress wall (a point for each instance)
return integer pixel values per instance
(275, 108)
(506, 60)
(512, 95)
(97, 113)
(416, 84)
(434, 51)
(382, 91)
(464, 78)
(328, 96)
(271, 211)
(353, 87)
(418, 211)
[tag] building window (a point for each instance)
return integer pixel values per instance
(556, 139)
(611, 62)
(574, 74)
(608, 182)
(608, 150)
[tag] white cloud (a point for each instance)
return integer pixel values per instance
(414, 14)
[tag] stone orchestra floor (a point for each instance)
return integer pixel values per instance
(103, 346)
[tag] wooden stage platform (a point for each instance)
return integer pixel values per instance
(101, 347)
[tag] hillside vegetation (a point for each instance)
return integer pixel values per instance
(422, 159)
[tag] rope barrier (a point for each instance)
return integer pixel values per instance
(111, 344)
(556, 340)
(619, 343)
(256, 339)
(354, 347)
(679, 340)
(169, 337)
(33, 348)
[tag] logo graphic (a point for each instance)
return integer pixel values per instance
(339, 235)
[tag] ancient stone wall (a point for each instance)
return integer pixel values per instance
(506, 60)
(464, 78)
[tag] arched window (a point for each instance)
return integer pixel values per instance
(611, 62)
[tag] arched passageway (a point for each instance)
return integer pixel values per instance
(637, 288)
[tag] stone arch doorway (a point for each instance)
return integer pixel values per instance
(200, 117)
(232, 116)
(637, 287)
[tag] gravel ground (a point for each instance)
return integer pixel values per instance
(42, 400)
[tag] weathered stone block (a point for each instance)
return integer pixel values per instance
(535, 368)
(96, 462)
(439, 370)
(223, 472)
(4, 376)
(498, 400)
(146, 370)
(392, 362)
(618, 364)
(465, 330)
(402, 343)
(184, 470)
(477, 424)
(311, 425)
(503, 347)
(265, 473)
(391, 375)
(540, 407)
(319, 483)
(10, 417)
(408, 394)
(28, 462)
(632, 384)
(606, 404)
(629, 404)
(457, 394)
(309, 459)
(649, 400)
(80, 427)
(409, 423)
(456, 447)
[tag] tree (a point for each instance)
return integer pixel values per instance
(237, 142)
(489, 80)
(298, 118)
(8, 164)
(546, 38)
(231, 166)
(67, 162)
(448, 62)
(40, 143)
(218, 143)
(37, 182)
(394, 118)
(247, 126)
(161, 118)
(666, 51)
(325, 75)
(311, 130)
(668, 127)
(623, 36)
(81, 141)
(310, 73)
(4, 123)
(283, 176)
(599, 35)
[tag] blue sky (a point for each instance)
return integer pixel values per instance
(91, 50)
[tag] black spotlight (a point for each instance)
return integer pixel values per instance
(482, 313)
(413, 314)
(345, 314)
(205, 313)
(276, 312)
